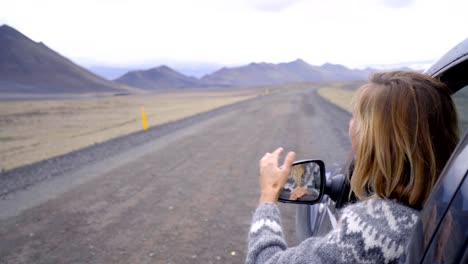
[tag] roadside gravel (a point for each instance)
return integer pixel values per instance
(25, 176)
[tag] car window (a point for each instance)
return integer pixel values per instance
(461, 103)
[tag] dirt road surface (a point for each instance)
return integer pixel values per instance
(181, 197)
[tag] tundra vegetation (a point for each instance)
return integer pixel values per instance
(34, 130)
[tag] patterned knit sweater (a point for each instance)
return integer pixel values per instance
(370, 231)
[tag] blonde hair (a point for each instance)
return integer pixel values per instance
(297, 171)
(405, 128)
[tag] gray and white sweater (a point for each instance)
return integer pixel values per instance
(370, 231)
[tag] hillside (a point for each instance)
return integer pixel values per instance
(295, 71)
(31, 67)
(161, 77)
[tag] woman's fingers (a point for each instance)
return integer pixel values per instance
(272, 158)
(264, 158)
(288, 161)
(278, 151)
(286, 168)
(293, 197)
(275, 156)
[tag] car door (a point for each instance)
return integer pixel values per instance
(441, 233)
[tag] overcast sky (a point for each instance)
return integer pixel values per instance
(229, 32)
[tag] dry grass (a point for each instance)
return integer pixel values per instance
(31, 131)
(338, 96)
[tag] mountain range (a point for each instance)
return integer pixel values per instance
(263, 73)
(161, 77)
(190, 68)
(253, 74)
(32, 67)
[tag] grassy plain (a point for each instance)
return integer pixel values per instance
(340, 94)
(35, 130)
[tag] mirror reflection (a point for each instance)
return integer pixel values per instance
(304, 182)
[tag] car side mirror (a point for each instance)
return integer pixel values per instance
(305, 184)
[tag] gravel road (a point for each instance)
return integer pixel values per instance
(178, 193)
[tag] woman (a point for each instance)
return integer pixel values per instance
(296, 187)
(403, 130)
(304, 180)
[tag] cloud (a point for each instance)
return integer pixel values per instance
(397, 3)
(272, 5)
(237, 32)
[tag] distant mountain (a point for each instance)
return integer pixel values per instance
(188, 68)
(161, 77)
(30, 67)
(254, 74)
(340, 72)
(195, 69)
(271, 74)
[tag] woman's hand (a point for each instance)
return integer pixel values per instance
(298, 192)
(272, 177)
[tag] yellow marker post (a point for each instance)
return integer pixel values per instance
(267, 91)
(143, 119)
